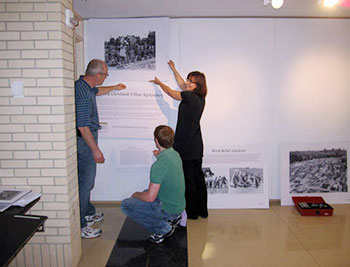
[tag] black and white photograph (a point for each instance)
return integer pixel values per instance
(315, 169)
(246, 180)
(134, 49)
(216, 183)
(318, 171)
(132, 52)
(10, 195)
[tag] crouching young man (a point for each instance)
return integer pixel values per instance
(159, 208)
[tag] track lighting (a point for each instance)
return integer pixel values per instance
(276, 4)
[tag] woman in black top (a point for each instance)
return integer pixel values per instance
(188, 137)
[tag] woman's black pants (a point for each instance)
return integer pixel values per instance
(196, 190)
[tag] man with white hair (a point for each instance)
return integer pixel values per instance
(87, 124)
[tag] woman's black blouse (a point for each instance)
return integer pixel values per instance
(188, 137)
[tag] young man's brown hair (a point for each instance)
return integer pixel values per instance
(165, 136)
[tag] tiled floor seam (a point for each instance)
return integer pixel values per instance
(296, 237)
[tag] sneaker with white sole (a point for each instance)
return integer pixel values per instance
(92, 219)
(155, 238)
(89, 232)
(176, 221)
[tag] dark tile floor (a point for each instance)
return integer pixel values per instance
(133, 248)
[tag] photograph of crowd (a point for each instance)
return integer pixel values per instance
(246, 180)
(320, 171)
(131, 52)
(216, 184)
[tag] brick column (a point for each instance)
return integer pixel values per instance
(37, 131)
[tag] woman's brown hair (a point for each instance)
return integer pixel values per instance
(199, 77)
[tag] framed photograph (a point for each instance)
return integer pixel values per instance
(315, 170)
(10, 195)
(236, 176)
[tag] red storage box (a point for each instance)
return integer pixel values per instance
(312, 206)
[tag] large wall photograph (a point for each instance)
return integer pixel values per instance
(315, 170)
(132, 52)
(133, 49)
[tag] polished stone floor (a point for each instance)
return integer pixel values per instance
(277, 237)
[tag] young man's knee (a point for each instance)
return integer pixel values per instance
(127, 205)
(124, 206)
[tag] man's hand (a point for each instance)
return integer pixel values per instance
(120, 86)
(98, 156)
(89, 139)
(149, 195)
(156, 153)
(103, 90)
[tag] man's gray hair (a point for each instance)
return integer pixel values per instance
(94, 67)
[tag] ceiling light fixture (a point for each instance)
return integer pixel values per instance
(276, 4)
(328, 3)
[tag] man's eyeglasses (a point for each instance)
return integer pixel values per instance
(104, 74)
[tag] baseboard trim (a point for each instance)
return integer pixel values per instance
(106, 203)
(275, 202)
(272, 202)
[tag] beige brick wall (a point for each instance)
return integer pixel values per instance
(37, 134)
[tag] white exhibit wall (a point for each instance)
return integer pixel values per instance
(311, 98)
(270, 81)
(237, 56)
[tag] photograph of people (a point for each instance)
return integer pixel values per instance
(188, 137)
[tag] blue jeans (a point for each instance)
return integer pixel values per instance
(86, 177)
(149, 214)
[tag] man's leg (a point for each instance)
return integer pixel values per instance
(148, 214)
(86, 175)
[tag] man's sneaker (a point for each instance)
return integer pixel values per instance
(155, 238)
(92, 219)
(176, 221)
(89, 232)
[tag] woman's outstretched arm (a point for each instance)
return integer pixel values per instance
(170, 92)
(180, 81)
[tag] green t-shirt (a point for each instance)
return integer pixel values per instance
(167, 171)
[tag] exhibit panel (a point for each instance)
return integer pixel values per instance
(129, 117)
(236, 176)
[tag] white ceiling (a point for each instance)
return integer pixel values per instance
(206, 8)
